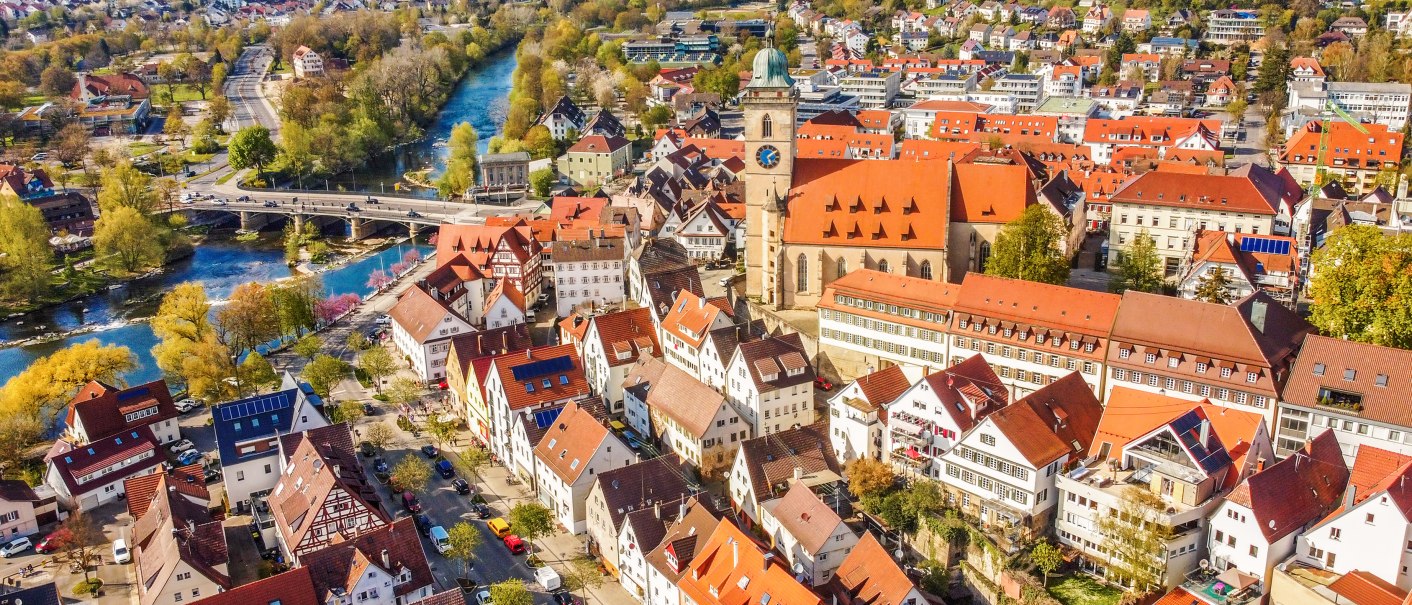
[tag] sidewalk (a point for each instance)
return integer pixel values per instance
(556, 550)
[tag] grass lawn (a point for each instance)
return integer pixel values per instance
(225, 177)
(183, 93)
(1079, 589)
(137, 149)
(35, 99)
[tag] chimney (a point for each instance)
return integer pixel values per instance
(798, 473)
(1260, 464)
(735, 553)
(190, 527)
(765, 561)
(529, 353)
(1230, 239)
(386, 561)
(1348, 496)
(657, 510)
(1401, 187)
(1257, 315)
(681, 510)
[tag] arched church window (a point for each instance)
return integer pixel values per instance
(802, 284)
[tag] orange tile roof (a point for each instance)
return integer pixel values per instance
(1294, 491)
(507, 290)
(568, 446)
(1363, 588)
(1178, 596)
(1141, 58)
(943, 105)
(293, 587)
(631, 329)
(875, 118)
(1083, 312)
(990, 192)
(1347, 147)
(597, 143)
(1309, 63)
(1372, 466)
(717, 149)
(563, 372)
(1222, 193)
(731, 569)
(565, 208)
(1057, 420)
(1145, 130)
(866, 203)
(1224, 248)
(418, 313)
(1131, 413)
(982, 127)
(692, 316)
(923, 149)
(869, 575)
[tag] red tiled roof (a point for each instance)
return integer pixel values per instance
(567, 448)
(100, 408)
(597, 143)
(418, 313)
(883, 386)
(868, 575)
(1084, 312)
(564, 208)
(631, 330)
(691, 317)
(1294, 491)
(100, 454)
(731, 569)
(1059, 419)
(335, 566)
(188, 480)
(562, 370)
(1362, 588)
(866, 203)
(1347, 148)
(1220, 193)
(293, 587)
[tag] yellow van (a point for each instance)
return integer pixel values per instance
(499, 526)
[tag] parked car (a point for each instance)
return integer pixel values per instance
(548, 578)
(515, 544)
(823, 383)
(370, 409)
(430, 451)
(383, 320)
(483, 598)
(726, 281)
(423, 523)
(368, 449)
(444, 468)
(410, 502)
(120, 552)
(499, 526)
(50, 543)
(462, 487)
(212, 475)
(181, 446)
(564, 598)
(15, 547)
(482, 511)
(379, 465)
(186, 405)
(353, 207)
(440, 539)
(189, 457)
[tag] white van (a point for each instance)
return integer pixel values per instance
(440, 539)
(548, 578)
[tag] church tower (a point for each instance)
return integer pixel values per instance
(769, 104)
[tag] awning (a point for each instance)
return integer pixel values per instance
(1236, 579)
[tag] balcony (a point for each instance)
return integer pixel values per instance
(911, 439)
(1341, 400)
(901, 420)
(1229, 587)
(912, 460)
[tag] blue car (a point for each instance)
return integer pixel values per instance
(444, 467)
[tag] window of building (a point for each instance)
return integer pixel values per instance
(802, 284)
(926, 269)
(842, 269)
(767, 127)
(882, 265)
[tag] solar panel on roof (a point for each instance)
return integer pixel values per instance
(535, 369)
(545, 418)
(133, 394)
(1264, 245)
(250, 407)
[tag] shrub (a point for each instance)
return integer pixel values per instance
(87, 587)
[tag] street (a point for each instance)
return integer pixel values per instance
(243, 90)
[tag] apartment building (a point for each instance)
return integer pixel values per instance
(874, 319)
(1351, 157)
(1349, 389)
(855, 426)
(1229, 26)
(875, 89)
(1381, 103)
(1252, 263)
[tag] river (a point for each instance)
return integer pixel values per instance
(481, 98)
(220, 265)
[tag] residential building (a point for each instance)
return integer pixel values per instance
(1258, 524)
(855, 426)
(871, 319)
(643, 530)
(595, 160)
(612, 343)
(322, 493)
(563, 117)
(466, 365)
(99, 410)
(587, 272)
(667, 563)
(1136, 20)
(386, 566)
(617, 492)
(1033, 333)
(293, 587)
(657, 270)
(1369, 530)
(86, 476)
(811, 535)
(765, 465)
(1306, 69)
(247, 439)
(1265, 263)
(519, 384)
(1354, 156)
(1230, 26)
(44, 594)
(567, 460)
(1172, 207)
(1236, 355)
(1349, 389)
(875, 89)
(1162, 134)
(92, 88)
(686, 416)
(869, 576)
(23, 509)
(504, 170)
(731, 568)
(932, 415)
(505, 306)
(179, 549)
(1169, 461)
(499, 251)
(706, 231)
(683, 330)
(1387, 103)
(771, 384)
(307, 63)
(422, 329)
(1002, 471)
(1025, 88)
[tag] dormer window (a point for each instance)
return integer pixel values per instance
(1151, 358)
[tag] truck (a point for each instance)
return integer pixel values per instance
(440, 539)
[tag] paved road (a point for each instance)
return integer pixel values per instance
(243, 90)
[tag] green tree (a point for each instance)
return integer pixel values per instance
(45, 386)
(252, 146)
(411, 473)
(1047, 558)
(582, 574)
(471, 461)
(357, 341)
(379, 435)
(188, 348)
(1236, 109)
(25, 255)
(460, 173)
(294, 304)
(1215, 287)
(125, 185)
(441, 431)
(1031, 248)
(464, 539)
(1134, 539)
(542, 181)
(309, 346)
(323, 372)
(378, 364)
(258, 372)
(531, 521)
(868, 477)
(404, 390)
(173, 126)
(1139, 267)
(1362, 286)
(127, 236)
(57, 81)
(511, 592)
(346, 411)
(81, 537)
(247, 320)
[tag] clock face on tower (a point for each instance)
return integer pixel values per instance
(767, 156)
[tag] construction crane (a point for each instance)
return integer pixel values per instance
(1319, 167)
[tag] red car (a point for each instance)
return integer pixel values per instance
(823, 383)
(515, 544)
(51, 542)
